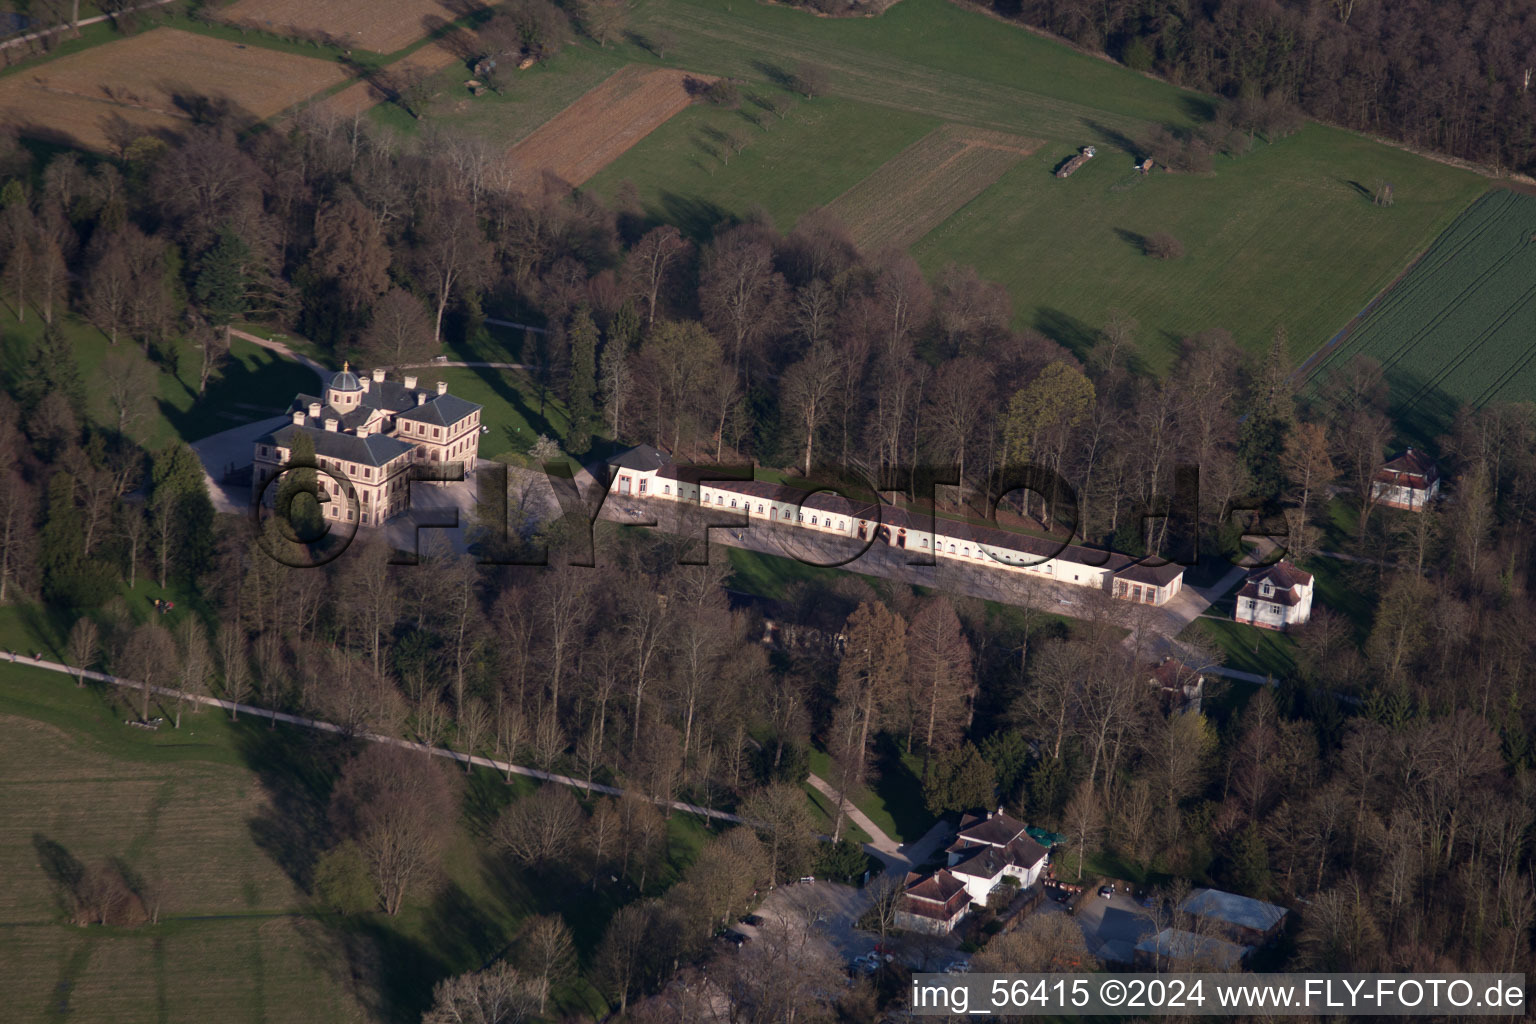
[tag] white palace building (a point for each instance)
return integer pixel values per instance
(648, 472)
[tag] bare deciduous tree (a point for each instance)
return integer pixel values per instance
(401, 810)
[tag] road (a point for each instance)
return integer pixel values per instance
(250, 710)
(55, 30)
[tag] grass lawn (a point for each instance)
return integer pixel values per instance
(823, 815)
(210, 811)
(771, 576)
(512, 407)
(1456, 330)
(253, 383)
(1249, 648)
(687, 176)
(533, 97)
(1281, 237)
(1290, 219)
(1349, 588)
(893, 800)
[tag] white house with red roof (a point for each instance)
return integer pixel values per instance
(988, 849)
(1275, 597)
(1409, 481)
(932, 904)
(993, 847)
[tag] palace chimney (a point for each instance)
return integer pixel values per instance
(410, 382)
(331, 424)
(314, 410)
(442, 387)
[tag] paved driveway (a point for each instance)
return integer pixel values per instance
(1112, 927)
(232, 449)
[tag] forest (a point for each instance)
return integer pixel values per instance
(1386, 783)
(1454, 77)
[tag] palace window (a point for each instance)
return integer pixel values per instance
(813, 520)
(666, 488)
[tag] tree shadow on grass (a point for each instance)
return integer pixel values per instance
(1066, 330)
(61, 867)
(1199, 108)
(1133, 239)
(900, 790)
(497, 381)
(272, 382)
(781, 77)
(392, 974)
(1113, 136)
(696, 218)
(297, 770)
(461, 931)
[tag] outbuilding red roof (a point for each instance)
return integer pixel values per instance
(1410, 469)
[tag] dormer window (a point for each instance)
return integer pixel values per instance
(1267, 589)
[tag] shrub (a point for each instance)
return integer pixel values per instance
(723, 93)
(1163, 246)
(841, 861)
(342, 882)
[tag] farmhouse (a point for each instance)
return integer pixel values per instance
(987, 850)
(1275, 597)
(648, 472)
(367, 433)
(932, 904)
(993, 847)
(1409, 481)
(1180, 686)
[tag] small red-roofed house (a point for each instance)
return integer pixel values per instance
(1276, 596)
(1409, 481)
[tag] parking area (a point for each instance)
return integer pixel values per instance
(834, 910)
(1112, 926)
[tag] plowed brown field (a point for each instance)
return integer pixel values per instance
(919, 188)
(383, 26)
(154, 81)
(590, 134)
(359, 96)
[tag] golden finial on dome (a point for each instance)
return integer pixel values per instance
(344, 365)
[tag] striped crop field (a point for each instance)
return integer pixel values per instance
(1460, 327)
(919, 188)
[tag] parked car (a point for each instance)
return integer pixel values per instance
(753, 920)
(807, 879)
(736, 939)
(958, 967)
(1107, 891)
